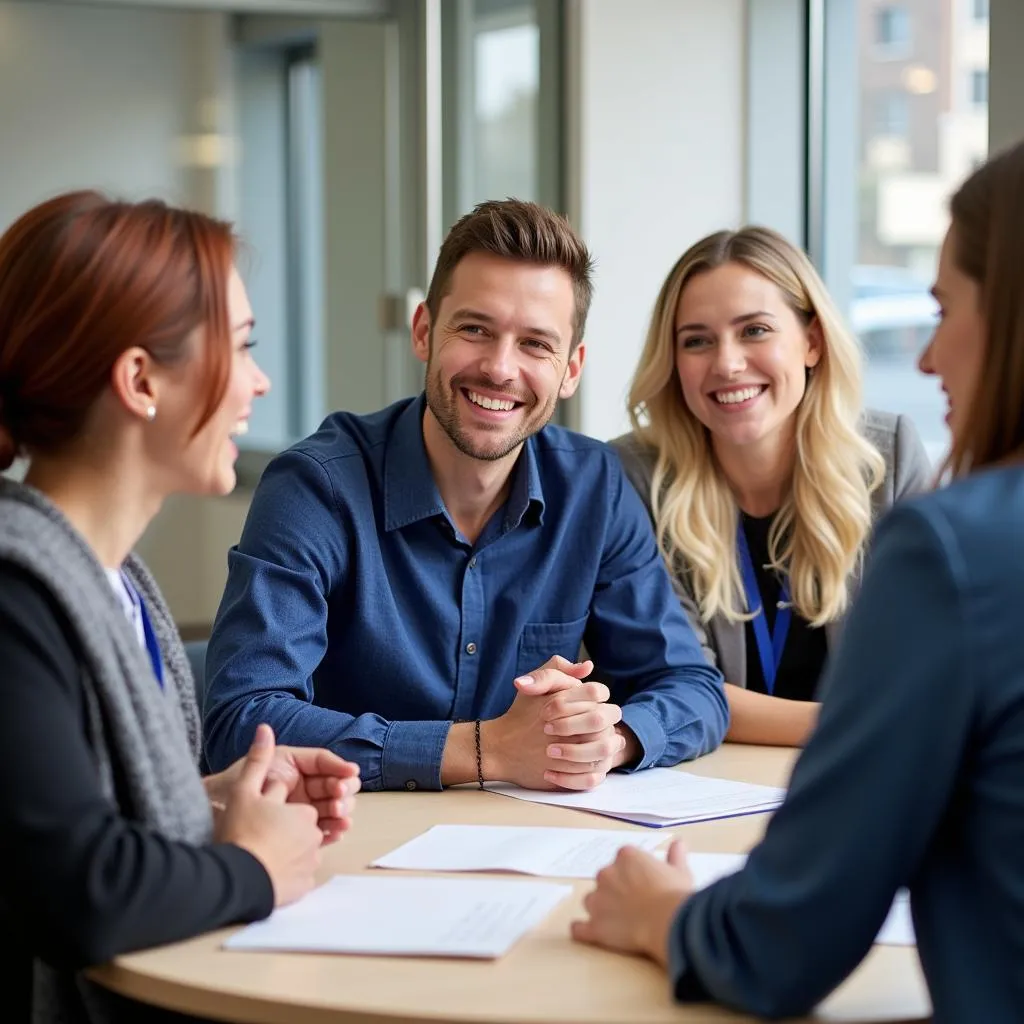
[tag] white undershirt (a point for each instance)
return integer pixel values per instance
(129, 603)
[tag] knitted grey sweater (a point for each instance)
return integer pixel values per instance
(150, 735)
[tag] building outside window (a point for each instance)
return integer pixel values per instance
(893, 114)
(892, 30)
(919, 127)
(979, 87)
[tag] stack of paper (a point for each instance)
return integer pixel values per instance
(557, 852)
(658, 797)
(459, 917)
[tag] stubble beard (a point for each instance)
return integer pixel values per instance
(442, 400)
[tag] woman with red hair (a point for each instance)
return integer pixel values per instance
(125, 370)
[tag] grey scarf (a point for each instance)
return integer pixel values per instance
(151, 735)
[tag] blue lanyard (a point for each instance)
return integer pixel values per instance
(769, 650)
(152, 644)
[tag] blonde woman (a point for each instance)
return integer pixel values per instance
(762, 471)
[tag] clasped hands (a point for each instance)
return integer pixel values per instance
(308, 776)
(559, 733)
(282, 805)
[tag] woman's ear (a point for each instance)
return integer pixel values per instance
(815, 344)
(133, 381)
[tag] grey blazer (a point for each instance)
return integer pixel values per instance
(907, 471)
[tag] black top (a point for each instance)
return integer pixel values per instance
(806, 648)
(80, 882)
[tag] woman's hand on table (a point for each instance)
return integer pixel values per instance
(307, 775)
(635, 901)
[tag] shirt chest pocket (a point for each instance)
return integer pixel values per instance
(541, 640)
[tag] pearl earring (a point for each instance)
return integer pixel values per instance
(151, 413)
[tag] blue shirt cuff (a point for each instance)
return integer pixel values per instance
(650, 734)
(412, 755)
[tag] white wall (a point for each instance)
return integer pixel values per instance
(95, 97)
(657, 90)
(90, 97)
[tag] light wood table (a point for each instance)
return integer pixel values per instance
(545, 979)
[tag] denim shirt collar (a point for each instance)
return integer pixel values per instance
(411, 495)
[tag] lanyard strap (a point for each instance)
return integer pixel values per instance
(769, 650)
(152, 644)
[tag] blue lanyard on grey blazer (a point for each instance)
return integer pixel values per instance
(769, 649)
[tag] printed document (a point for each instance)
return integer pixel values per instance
(444, 917)
(556, 852)
(659, 797)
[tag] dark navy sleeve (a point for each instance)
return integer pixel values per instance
(866, 796)
(270, 635)
(643, 646)
(81, 882)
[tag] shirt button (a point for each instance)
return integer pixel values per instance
(410, 785)
(471, 648)
(472, 562)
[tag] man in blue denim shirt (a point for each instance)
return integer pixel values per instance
(412, 587)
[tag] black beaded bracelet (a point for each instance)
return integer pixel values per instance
(479, 756)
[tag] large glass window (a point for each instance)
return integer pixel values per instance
(905, 119)
(502, 110)
(506, 70)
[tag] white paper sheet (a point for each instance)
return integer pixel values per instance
(710, 867)
(659, 797)
(450, 917)
(897, 929)
(555, 852)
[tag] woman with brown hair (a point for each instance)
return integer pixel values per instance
(915, 775)
(125, 369)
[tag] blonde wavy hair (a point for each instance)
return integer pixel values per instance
(818, 536)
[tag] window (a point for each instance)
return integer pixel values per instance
(892, 30)
(503, 103)
(979, 10)
(888, 159)
(893, 114)
(979, 87)
(506, 68)
(281, 215)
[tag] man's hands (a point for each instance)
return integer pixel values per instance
(559, 732)
(635, 902)
(306, 775)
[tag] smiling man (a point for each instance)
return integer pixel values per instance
(413, 587)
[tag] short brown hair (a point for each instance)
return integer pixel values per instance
(517, 230)
(988, 246)
(84, 278)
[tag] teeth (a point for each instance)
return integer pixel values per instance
(490, 403)
(735, 397)
(241, 427)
